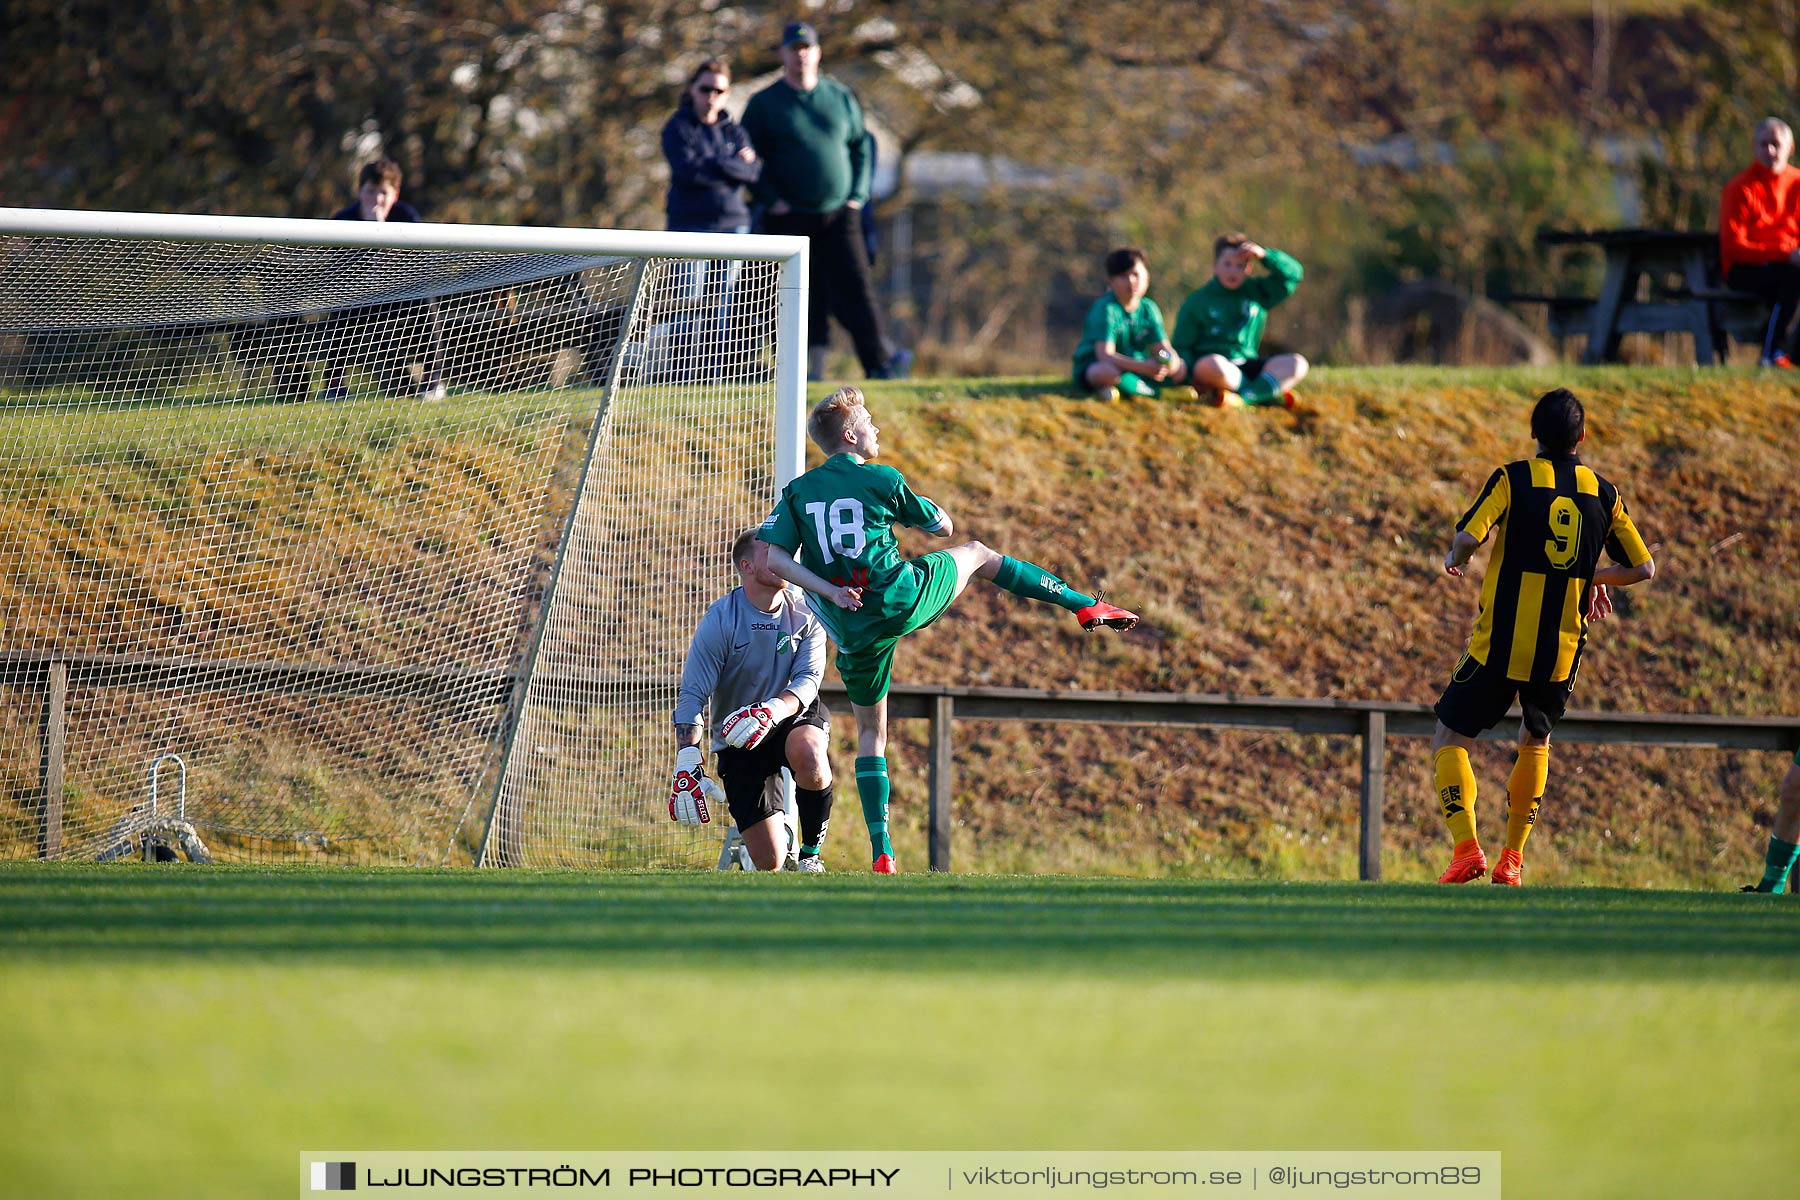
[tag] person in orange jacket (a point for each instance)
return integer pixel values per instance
(1759, 235)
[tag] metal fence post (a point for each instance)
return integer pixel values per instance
(50, 765)
(1374, 767)
(943, 713)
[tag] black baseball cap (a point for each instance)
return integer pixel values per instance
(801, 32)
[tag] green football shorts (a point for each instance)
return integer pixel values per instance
(868, 669)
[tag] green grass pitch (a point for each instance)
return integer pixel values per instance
(185, 1031)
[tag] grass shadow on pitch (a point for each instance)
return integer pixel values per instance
(1053, 925)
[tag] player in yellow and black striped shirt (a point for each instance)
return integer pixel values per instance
(1551, 518)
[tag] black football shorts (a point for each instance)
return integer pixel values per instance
(1479, 695)
(752, 778)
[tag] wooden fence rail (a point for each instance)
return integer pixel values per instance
(1373, 721)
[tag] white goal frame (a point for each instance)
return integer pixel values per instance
(788, 454)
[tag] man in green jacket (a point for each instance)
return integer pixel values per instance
(809, 132)
(1220, 326)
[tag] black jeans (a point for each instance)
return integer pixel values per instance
(1779, 284)
(838, 281)
(385, 339)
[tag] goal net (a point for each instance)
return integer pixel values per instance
(350, 542)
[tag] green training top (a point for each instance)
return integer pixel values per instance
(1215, 319)
(1134, 334)
(811, 144)
(838, 520)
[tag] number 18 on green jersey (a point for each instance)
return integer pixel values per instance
(838, 520)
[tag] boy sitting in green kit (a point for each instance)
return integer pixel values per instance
(1220, 326)
(1123, 347)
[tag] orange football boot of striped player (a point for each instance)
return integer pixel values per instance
(1507, 869)
(1467, 864)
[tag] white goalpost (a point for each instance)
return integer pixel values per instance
(392, 536)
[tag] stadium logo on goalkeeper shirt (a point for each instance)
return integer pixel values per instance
(334, 1177)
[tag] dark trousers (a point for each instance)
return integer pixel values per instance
(1779, 284)
(711, 335)
(839, 281)
(385, 339)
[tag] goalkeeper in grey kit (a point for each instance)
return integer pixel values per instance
(758, 656)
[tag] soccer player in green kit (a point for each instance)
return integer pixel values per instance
(832, 532)
(1220, 325)
(1123, 347)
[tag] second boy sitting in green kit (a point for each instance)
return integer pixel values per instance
(1220, 326)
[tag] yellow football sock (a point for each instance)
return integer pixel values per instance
(1456, 791)
(1524, 789)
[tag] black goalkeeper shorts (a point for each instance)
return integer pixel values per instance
(752, 778)
(1479, 695)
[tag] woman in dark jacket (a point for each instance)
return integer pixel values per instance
(710, 159)
(710, 162)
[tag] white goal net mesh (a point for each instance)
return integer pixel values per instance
(339, 553)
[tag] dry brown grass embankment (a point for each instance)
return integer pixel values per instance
(1298, 555)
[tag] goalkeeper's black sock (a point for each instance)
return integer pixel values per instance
(1034, 583)
(814, 808)
(872, 790)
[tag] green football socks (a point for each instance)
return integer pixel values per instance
(1136, 385)
(1780, 862)
(1035, 583)
(872, 790)
(1264, 389)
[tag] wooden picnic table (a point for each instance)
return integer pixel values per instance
(1685, 295)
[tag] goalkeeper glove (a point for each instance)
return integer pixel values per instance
(694, 798)
(749, 725)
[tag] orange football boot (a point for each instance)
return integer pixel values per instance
(1101, 613)
(1507, 869)
(1467, 864)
